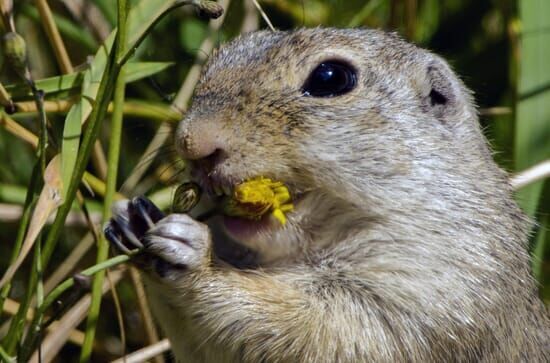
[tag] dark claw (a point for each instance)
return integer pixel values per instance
(114, 237)
(123, 227)
(147, 208)
(126, 229)
(143, 215)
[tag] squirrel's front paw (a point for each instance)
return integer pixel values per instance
(167, 245)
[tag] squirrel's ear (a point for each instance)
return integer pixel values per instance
(443, 95)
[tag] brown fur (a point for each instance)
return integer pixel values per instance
(407, 245)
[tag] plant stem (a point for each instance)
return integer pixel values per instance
(31, 340)
(5, 99)
(25, 218)
(112, 169)
(130, 52)
(16, 326)
(90, 135)
(137, 108)
(18, 321)
(53, 35)
(6, 357)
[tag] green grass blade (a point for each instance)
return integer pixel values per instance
(532, 138)
(80, 111)
(134, 72)
(138, 70)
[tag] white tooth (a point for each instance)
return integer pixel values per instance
(226, 190)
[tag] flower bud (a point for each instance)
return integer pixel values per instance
(15, 50)
(256, 197)
(209, 9)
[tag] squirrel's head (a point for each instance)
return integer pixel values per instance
(350, 120)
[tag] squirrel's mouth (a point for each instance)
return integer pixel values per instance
(249, 207)
(243, 229)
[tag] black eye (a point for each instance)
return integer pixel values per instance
(329, 79)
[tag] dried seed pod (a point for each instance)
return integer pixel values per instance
(186, 197)
(15, 49)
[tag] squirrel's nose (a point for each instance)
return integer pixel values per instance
(198, 141)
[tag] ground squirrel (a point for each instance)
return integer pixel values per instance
(405, 244)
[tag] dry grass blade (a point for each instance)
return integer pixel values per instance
(264, 15)
(55, 38)
(150, 110)
(495, 111)
(6, 8)
(75, 336)
(143, 304)
(70, 262)
(118, 308)
(531, 175)
(55, 340)
(142, 355)
(88, 13)
(10, 213)
(50, 199)
(15, 129)
(5, 99)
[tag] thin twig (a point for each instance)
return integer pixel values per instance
(75, 336)
(88, 13)
(531, 175)
(143, 305)
(11, 213)
(154, 111)
(70, 262)
(5, 99)
(264, 15)
(118, 308)
(495, 111)
(6, 10)
(16, 129)
(146, 353)
(55, 38)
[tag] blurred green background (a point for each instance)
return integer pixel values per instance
(500, 48)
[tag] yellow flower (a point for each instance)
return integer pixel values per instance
(255, 197)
